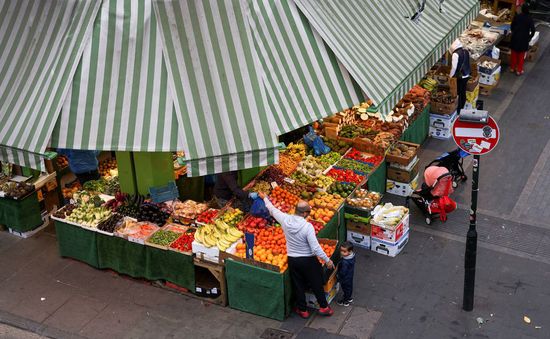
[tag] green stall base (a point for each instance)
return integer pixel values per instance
(141, 261)
(21, 215)
(258, 291)
(418, 131)
(377, 179)
(77, 243)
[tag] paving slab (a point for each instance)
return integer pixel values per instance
(334, 323)
(75, 313)
(361, 323)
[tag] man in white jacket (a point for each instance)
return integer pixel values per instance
(302, 250)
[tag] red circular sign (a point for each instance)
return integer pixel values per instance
(476, 138)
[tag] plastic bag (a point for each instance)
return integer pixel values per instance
(258, 209)
(314, 141)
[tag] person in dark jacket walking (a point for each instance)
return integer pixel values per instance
(523, 30)
(345, 273)
(460, 69)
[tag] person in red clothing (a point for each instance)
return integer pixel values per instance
(523, 30)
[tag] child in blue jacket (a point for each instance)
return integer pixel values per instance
(345, 272)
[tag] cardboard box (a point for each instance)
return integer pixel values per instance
(440, 133)
(532, 53)
(401, 175)
(444, 109)
(490, 79)
(442, 75)
(358, 227)
(391, 235)
(331, 281)
(473, 82)
(484, 70)
(402, 159)
(391, 249)
(359, 239)
(311, 300)
(212, 254)
(442, 121)
(401, 188)
(505, 55)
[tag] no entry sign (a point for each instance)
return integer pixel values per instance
(476, 138)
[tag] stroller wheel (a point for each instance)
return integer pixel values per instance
(455, 184)
(464, 178)
(428, 221)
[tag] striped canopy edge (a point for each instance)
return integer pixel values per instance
(371, 47)
(119, 99)
(215, 79)
(232, 162)
(41, 43)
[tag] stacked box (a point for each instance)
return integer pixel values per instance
(440, 125)
(390, 241)
(402, 173)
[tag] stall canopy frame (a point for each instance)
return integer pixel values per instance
(41, 43)
(385, 52)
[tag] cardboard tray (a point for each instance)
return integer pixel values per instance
(403, 160)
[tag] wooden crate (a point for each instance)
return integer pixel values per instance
(218, 272)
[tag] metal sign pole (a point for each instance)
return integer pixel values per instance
(471, 244)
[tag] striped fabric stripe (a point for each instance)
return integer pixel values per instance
(119, 98)
(214, 78)
(303, 78)
(232, 162)
(22, 158)
(384, 51)
(40, 45)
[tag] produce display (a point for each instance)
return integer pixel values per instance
(354, 154)
(272, 174)
(136, 231)
(88, 215)
(362, 198)
(323, 181)
(345, 175)
(220, 235)
(283, 200)
(354, 131)
(112, 186)
(477, 41)
(261, 186)
(402, 150)
(95, 185)
(326, 200)
(163, 237)
(108, 168)
(328, 249)
(322, 214)
(286, 164)
(241, 250)
(16, 190)
(443, 97)
(65, 211)
(302, 178)
(270, 248)
(130, 206)
(62, 161)
(110, 224)
(343, 189)
(329, 158)
(119, 200)
(208, 216)
(388, 215)
(299, 190)
(296, 151)
(317, 225)
(231, 216)
(253, 224)
(188, 209)
(152, 213)
(311, 166)
(184, 242)
(354, 165)
(69, 191)
(338, 146)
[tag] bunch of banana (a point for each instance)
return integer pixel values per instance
(220, 234)
(428, 83)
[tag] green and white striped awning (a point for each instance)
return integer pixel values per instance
(119, 99)
(40, 45)
(385, 52)
(304, 80)
(215, 80)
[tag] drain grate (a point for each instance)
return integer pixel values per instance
(272, 333)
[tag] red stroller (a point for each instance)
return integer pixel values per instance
(433, 197)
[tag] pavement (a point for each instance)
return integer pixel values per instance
(417, 294)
